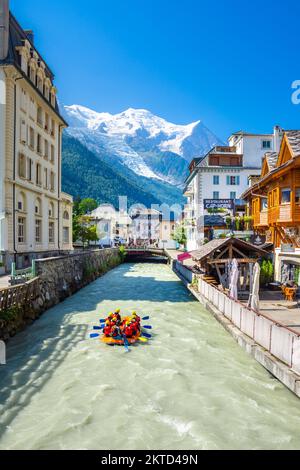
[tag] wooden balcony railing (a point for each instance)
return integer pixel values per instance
(282, 213)
(261, 219)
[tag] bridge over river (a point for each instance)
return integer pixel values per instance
(190, 387)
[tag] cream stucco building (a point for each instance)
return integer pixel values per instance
(35, 216)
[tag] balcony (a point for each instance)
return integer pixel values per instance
(280, 214)
(261, 219)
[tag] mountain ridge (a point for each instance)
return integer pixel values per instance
(146, 149)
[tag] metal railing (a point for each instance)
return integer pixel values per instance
(19, 276)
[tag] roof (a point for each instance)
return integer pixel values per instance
(17, 36)
(294, 141)
(271, 158)
(215, 246)
(214, 221)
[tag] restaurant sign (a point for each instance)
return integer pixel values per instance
(219, 204)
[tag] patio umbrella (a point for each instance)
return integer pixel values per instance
(254, 295)
(234, 276)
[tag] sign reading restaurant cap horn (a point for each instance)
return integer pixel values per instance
(218, 204)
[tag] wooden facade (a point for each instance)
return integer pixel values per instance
(275, 200)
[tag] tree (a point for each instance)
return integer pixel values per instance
(87, 205)
(179, 235)
(85, 231)
(81, 208)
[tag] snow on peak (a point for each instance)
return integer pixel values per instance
(129, 123)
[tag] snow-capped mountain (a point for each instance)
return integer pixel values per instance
(146, 144)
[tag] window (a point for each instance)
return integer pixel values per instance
(52, 128)
(46, 122)
(47, 92)
(216, 179)
(53, 100)
(264, 203)
(52, 156)
(51, 210)
(45, 178)
(32, 109)
(52, 181)
(66, 235)
(38, 175)
(40, 84)
(39, 144)
(40, 116)
(38, 207)
(23, 100)
(46, 149)
(38, 231)
(21, 229)
(233, 195)
(233, 180)
(22, 166)
(31, 138)
(51, 232)
(32, 75)
(23, 136)
(21, 203)
(29, 169)
(285, 196)
(266, 144)
(297, 196)
(216, 195)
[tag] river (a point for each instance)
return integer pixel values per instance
(191, 387)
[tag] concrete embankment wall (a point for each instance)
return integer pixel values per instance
(274, 346)
(57, 279)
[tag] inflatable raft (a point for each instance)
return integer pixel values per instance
(122, 331)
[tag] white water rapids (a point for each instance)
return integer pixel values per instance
(190, 387)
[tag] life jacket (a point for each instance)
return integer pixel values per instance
(107, 330)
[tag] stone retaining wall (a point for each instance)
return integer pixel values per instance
(58, 278)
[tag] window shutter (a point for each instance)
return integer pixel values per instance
(23, 132)
(228, 180)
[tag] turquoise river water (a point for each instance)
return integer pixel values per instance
(191, 387)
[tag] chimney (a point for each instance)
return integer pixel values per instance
(4, 28)
(29, 34)
(278, 134)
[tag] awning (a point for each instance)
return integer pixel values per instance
(183, 257)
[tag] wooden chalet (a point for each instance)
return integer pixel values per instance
(274, 201)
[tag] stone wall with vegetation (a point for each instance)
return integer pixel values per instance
(62, 277)
(58, 278)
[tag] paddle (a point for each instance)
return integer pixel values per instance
(146, 335)
(102, 321)
(126, 344)
(94, 335)
(146, 318)
(143, 340)
(148, 327)
(98, 327)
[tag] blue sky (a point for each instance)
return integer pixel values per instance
(230, 63)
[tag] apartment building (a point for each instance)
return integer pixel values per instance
(35, 216)
(218, 180)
